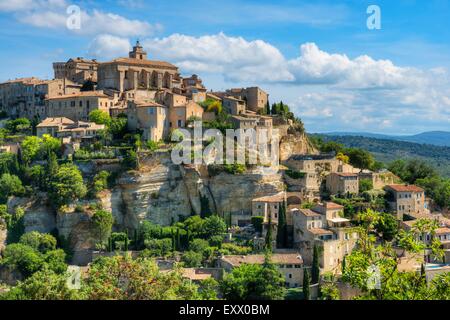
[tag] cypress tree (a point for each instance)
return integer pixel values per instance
(173, 242)
(268, 107)
(282, 227)
(126, 241)
(315, 271)
(178, 245)
(269, 236)
(135, 241)
(423, 275)
(306, 283)
(343, 265)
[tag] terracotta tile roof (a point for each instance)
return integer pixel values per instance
(277, 258)
(319, 231)
(51, 122)
(195, 274)
(404, 188)
(345, 174)
(332, 205)
(443, 230)
(99, 94)
(275, 198)
(309, 213)
(145, 63)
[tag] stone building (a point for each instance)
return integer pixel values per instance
(379, 179)
(233, 105)
(150, 117)
(78, 106)
(26, 97)
(136, 72)
(255, 98)
(339, 183)
(179, 115)
(324, 226)
(78, 70)
(289, 263)
(65, 128)
(266, 207)
(406, 199)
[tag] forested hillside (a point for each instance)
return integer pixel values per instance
(389, 150)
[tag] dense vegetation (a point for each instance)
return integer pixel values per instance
(387, 151)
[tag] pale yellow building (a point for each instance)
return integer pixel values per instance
(179, 115)
(150, 117)
(78, 70)
(79, 106)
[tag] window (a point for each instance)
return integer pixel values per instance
(290, 276)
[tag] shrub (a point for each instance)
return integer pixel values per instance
(257, 223)
(192, 259)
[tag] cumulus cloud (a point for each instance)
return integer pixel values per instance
(106, 46)
(234, 57)
(53, 14)
(315, 66)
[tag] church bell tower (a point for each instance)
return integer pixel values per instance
(138, 52)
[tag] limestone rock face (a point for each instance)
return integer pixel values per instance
(3, 235)
(234, 193)
(156, 192)
(297, 143)
(38, 217)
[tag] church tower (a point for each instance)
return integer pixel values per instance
(138, 52)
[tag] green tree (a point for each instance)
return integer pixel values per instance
(282, 234)
(10, 185)
(42, 285)
(100, 117)
(253, 282)
(213, 226)
(306, 284)
(102, 222)
(315, 270)
(42, 242)
(360, 158)
(192, 259)
(123, 278)
(23, 258)
(365, 185)
(269, 236)
(67, 185)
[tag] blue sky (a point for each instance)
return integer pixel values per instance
(317, 56)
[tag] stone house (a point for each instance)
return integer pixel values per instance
(379, 179)
(233, 106)
(150, 117)
(339, 183)
(289, 263)
(325, 227)
(78, 70)
(25, 97)
(254, 97)
(52, 126)
(179, 115)
(65, 128)
(266, 207)
(406, 199)
(79, 106)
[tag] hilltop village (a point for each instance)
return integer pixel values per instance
(85, 161)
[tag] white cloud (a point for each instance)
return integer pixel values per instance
(15, 5)
(52, 14)
(234, 57)
(315, 66)
(106, 46)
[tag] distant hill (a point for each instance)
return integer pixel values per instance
(386, 150)
(438, 138)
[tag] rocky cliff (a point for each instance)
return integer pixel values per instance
(162, 192)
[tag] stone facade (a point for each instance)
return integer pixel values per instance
(78, 70)
(136, 72)
(339, 183)
(79, 106)
(151, 117)
(406, 199)
(26, 97)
